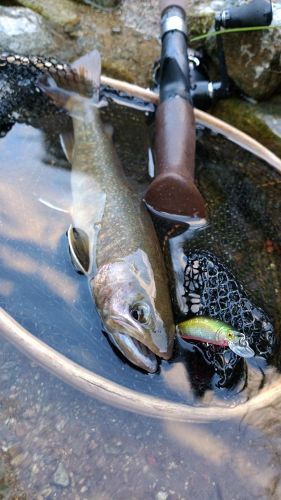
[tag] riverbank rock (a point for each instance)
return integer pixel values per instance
(262, 121)
(128, 37)
(129, 41)
(105, 4)
(25, 32)
(253, 61)
(253, 58)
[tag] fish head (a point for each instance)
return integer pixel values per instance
(130, 317)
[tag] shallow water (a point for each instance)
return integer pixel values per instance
(109, 453)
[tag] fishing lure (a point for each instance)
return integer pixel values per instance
(215, 332)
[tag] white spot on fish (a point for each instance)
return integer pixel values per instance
(195, 301)
(195, 308)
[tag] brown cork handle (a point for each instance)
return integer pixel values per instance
(173, 190)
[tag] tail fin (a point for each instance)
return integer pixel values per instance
(88, 69)
(82, 82)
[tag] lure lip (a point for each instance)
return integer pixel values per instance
(241, 346)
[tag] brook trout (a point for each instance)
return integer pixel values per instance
(112, 239)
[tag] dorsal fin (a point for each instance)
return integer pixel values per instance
(67, 144)
(80, 83)
(88, 67)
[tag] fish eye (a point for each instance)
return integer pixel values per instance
(140, 312)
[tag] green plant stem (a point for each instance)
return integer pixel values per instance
(232, 30)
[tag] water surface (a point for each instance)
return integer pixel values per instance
(108, 453)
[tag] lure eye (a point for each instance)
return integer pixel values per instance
(140, 312)
(229, 335)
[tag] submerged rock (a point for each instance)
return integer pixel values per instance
(261, 120)
(61, 477)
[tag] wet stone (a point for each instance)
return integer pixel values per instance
(61, 477)
(18, 460)
(20, 429)
(107, 4)
(23, 31)
(262, 121)
(29, 413)
(162, 495)
(60, 425)
(46, 492)
(258, 53)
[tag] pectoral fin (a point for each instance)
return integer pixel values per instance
(79, 249)
(67, 144)
(53, 206)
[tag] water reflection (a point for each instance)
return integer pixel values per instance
(106, 453)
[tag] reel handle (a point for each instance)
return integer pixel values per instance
(255, 13)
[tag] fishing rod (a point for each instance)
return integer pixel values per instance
(182, 84)
(173, 191)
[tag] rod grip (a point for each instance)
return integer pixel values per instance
(173, 190)
(175, 137)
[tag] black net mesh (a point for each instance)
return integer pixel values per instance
(233, 270)
(211, 290)
(20, 98)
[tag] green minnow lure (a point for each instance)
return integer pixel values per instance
(215, 332)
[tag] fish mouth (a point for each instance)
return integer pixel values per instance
(135, 351)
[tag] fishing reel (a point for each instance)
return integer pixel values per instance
(202, 90)
(254, 13)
